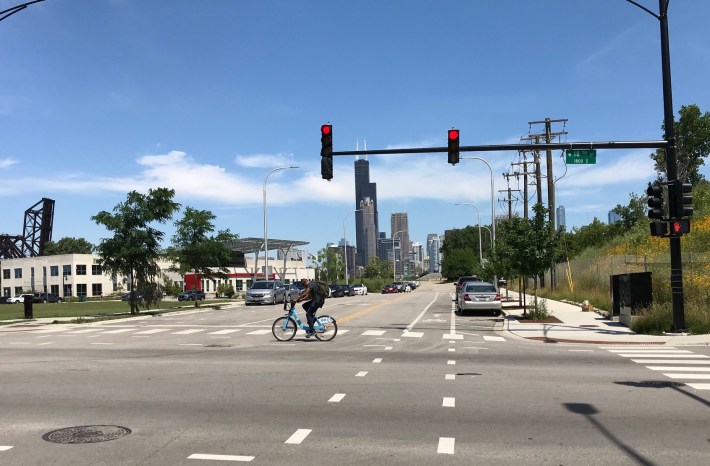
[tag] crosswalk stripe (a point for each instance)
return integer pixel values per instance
(678, 368)
(259, 332)
(691, 356)
(376, 333)
(493, 338)
(672, 361)
(120, 330)
(699, 386)
(225, 332)
(654, 351)
(188, 331)
(152, 331)
(86, 330)
(688, 376)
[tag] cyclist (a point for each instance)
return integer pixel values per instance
(316, 300)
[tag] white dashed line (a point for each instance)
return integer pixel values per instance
(99, 343)
(449, 336)
(676, 368)
(407, 334)
(190, 344)
(669, 355)
(45, 343)
(699, 386)
(671, 361)
(259, 332)
(298, 436)
(449, 402)
(493, 338)
(188, 331)
(202, 456)
(388, 348)
(4, 448)
(446, 445)
(689, 376)
(152, 331)
(361, 374)
(375, 333)
(120, 330)
(377, 360)
(450, 377)
(337, 398)
(451, 362)
(452, 350)
(225, 332)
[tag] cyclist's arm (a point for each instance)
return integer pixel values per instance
(304, 295)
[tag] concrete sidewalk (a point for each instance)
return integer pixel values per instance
(575, 326)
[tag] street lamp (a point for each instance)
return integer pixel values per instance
(394, 257)
(345, 246)
(480, 247)
(266, 241)
(493, 203)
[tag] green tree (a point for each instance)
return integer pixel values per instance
(134, 249)
(463, 242)
(692, 138)
(194, 250)
(378, 268)
(330, 265)
(526, 245)
(633, 213)
(68, 245)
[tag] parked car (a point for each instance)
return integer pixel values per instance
(294, 291)
(348, 290)
(461, 280)
(47, 298)
(479, 296)
(4, 299)
(190, 295)
(337, 291)
(360, 288)
(15, 299)
(390, 288)
(265, 292)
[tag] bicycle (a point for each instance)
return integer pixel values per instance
(285, 327)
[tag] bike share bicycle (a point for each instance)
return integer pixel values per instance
(284, 328)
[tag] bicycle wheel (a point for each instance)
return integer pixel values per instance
(329, 330)
(284, 328)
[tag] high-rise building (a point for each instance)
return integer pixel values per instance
(433, 246)
(560, 217)
(613, 217)
(400, 230)
(366, 222)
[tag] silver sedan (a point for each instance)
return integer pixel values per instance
(478, 296)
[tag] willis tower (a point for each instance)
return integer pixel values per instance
(366, 231)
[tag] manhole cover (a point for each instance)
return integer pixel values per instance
(86, 434)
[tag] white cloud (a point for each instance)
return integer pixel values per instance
(4, 163)
(264, 160)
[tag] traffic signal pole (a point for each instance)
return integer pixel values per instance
(671, 172)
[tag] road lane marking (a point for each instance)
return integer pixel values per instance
(45, 343)
(259, 332)
(4, 448)
(451, 362)
(190, 344)
(337, 398)
(688, 376)
(203, 456)
(100, 343)
(225, 332)
(86, 330)
(414, 322)
(120, 330)
(152, 331)
(376, 346)
(452, 350)
(692, 356)
(449, 402)
(361, 374)
(367, 310)
(493, 338)
(376, 333)
(636, 347)
(19, 343)
(188, 331)
(446, 445)
(670, 361)
(678, 368)
(449, 336)
(450, 377)
(388, 348)
(699, 386)
(407, 334)
(298, 436)
(651, 351)
(377, 360)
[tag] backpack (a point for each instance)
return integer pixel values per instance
(322, 289)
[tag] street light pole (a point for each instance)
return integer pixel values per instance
(345, 246)
(266, 241)
(493, 201)
(480, 247)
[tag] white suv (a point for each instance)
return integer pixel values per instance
(360, 288)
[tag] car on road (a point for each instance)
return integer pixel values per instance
(265, 292)
(336, 291)
(360, 288)
(47, 298)
(190, 295)
(478, 296)
(294, 291)
(389, 288)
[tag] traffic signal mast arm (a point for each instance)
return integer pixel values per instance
(658, 144)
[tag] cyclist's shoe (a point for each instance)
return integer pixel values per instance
(310, 333)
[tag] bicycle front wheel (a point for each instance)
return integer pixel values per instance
(284, 328)
(327, 329)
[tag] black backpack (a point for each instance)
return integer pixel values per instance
(322, 289)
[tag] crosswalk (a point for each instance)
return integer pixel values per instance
(146, 331)
(678, 364)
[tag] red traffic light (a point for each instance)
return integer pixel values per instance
(680, 227)
(326, 129)
(453, 134)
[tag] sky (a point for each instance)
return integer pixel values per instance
(102, 97)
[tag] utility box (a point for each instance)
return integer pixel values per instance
(635, 292)
(28, 301)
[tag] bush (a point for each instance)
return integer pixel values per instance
(540, 311)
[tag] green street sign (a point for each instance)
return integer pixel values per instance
(581, 156)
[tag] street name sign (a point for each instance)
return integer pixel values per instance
(581, 156)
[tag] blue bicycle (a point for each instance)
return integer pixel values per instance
(284, 328)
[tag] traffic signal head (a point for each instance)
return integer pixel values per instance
(453, 137)
(659, 228)
(680, 199)
(655, 200)
(326, 152)
(680, 227)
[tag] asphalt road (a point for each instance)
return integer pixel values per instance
(406, 381)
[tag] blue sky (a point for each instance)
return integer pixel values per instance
(101, 97)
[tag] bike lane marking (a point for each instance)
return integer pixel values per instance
(298, 436)
(449, 402)
(411, 326)
(446, 445)
(203, 456)
(337, 398)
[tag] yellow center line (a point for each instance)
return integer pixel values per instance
(367, 310)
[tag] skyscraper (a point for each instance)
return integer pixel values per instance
(366, 222)
(400, 230)
(560, 217)
(433, 245)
